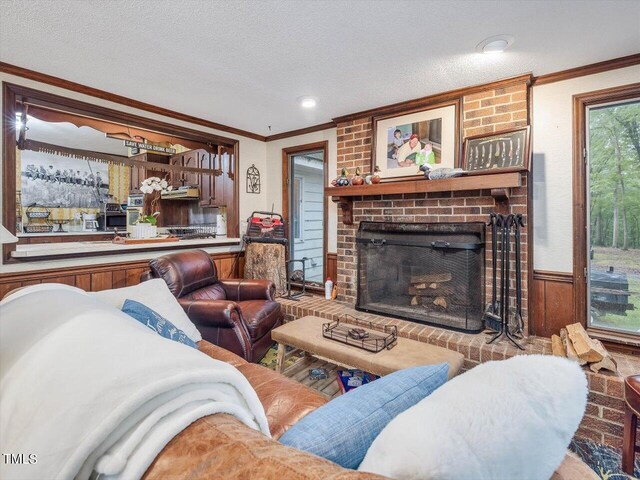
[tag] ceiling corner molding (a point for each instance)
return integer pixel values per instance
(301, 131)
(590, 69)
(399, 107)
(129, 102)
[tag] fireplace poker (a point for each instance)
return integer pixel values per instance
(519, 323)
(491, 316)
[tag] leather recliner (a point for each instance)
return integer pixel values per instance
(235, 314)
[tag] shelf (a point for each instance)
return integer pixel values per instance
(471, 182)
(499, 184)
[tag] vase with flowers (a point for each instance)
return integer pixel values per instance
(152, 189)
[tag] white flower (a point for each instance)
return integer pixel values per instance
(164, 184)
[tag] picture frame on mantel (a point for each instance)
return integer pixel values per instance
(506, 151)
(402, 142)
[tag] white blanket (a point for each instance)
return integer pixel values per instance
(86, 388)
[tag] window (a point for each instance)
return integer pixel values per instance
(613, 215)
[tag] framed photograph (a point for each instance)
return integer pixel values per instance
(404, 142)
(501, 151)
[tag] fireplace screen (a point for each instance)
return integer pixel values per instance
(430, 273)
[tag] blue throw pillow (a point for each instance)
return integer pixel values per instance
(156, 322)
(343, 430)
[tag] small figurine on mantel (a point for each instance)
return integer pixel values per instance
(342, 180)
(357, 179)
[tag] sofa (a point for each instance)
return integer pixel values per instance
(236, 314)
(219, 446)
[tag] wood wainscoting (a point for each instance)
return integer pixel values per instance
(332, 266)
(551, 302)
(93, 278)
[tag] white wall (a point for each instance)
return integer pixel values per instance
(274, 164)
(553, 164)
(251, 152)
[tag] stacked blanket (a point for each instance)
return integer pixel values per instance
(88, 390)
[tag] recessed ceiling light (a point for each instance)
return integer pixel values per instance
(307, 102)
(495, 44)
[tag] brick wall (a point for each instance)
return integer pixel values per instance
(484, 112)
(495, 110)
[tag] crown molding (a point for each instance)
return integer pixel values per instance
(129, 102)
(593, 68)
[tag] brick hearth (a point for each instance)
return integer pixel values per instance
(604, 417)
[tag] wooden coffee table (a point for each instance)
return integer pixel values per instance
(306, 334)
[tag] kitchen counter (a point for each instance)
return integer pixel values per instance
(49, 251)
(62, 234)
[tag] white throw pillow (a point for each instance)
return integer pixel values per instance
(156, 295)
(40, 287)
(511, 419)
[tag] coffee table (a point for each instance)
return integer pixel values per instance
(306, 334)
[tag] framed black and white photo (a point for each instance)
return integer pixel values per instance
(52, 180)
(502, 151)
(402, 143)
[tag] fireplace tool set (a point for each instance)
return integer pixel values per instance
(498, 316)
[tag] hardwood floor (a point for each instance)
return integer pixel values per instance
(299, 372)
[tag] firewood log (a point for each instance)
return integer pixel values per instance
(557, 346)
(415, 301)
(431, 277)
(571, 352)
(583, 344)
(430, 292)
(441, 302)
(607, 362)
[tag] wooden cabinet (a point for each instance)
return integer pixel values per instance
(207, 181)
(139, 173)
(212, 185)
(136, 178)
(190, 159)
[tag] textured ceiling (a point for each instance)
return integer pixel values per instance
(244, 63)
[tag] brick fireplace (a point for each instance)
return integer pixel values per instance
(484, 112)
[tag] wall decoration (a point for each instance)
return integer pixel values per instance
(148, 146)
(402, 143)
(508, 150)
(52, 180)
(253, 179)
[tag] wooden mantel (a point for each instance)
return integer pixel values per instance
(499, 184)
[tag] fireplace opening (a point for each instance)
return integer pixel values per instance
(431, 273)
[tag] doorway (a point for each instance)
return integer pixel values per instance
(607, 221)
(304, 209)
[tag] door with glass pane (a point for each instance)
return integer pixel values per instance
(305, 195)
(613, 215)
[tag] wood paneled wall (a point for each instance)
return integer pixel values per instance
(332, 266)
(551, 302)
(94, 278)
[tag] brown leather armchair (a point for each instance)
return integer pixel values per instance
(235, 314)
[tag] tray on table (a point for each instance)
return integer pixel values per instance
(378, 337)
